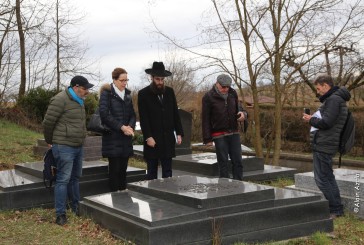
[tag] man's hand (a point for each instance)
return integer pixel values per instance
(306, 117)
(151, 142)
(179, 139)
(209, 143)
(240, 116)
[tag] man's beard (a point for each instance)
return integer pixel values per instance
(157, 89)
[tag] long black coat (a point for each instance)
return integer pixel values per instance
(114, 113)
(160, 121)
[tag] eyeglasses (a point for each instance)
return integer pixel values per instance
(123, 80)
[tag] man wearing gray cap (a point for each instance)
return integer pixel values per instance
(65, 130)
(221, 115)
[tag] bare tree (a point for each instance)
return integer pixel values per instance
(182, 79)
(49, 45)
(7, 48)
(61, 53)
(257, 41)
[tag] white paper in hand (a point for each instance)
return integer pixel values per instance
(318, 115)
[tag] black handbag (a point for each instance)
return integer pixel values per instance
(95, 124)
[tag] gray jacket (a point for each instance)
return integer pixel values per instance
(333, 115)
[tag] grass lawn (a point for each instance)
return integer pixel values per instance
(16, 145)
(36, 226)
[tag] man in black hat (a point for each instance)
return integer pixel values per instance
(159, 121)
(65, 130)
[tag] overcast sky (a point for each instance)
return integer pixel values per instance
(119, 31)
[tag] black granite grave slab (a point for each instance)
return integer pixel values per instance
(202, 192)
(270, 172)
(91, 148)
(88, 168)
(350, 183)
(138, 150)
(23, 187)
(11, 180)
(186, 121)
(206, 163)
(253, 168)
(140, 207)
(147, 219)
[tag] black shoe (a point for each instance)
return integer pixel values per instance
(61, 219)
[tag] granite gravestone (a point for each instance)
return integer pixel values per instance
(91, 148)
(350, 183)
(186, 120)
(23, 187)
(253, 167)
(192, 209)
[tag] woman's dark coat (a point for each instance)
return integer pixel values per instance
(159, 120)
(114, 113)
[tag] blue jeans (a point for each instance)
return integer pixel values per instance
(326, 182)
(226, 146)
(69, 171)
(152, 169)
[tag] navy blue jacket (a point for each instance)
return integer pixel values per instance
(114, 113)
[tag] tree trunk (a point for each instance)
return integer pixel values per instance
(23, 77)
(58, 75)
(256, 125)
(277, 123)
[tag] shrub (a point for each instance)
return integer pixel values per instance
(138, 138)
(91, 103)
(35, 102)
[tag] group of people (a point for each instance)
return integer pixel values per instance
(65, 131)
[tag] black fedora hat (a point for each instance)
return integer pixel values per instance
(158, 70)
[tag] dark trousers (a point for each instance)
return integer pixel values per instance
(152, 170)
(226, 146)
(326, 182)
(117, 173)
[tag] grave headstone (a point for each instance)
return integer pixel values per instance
(186, 120)
(91, 148)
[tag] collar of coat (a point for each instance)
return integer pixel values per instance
(107, 87)
(328, 93)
